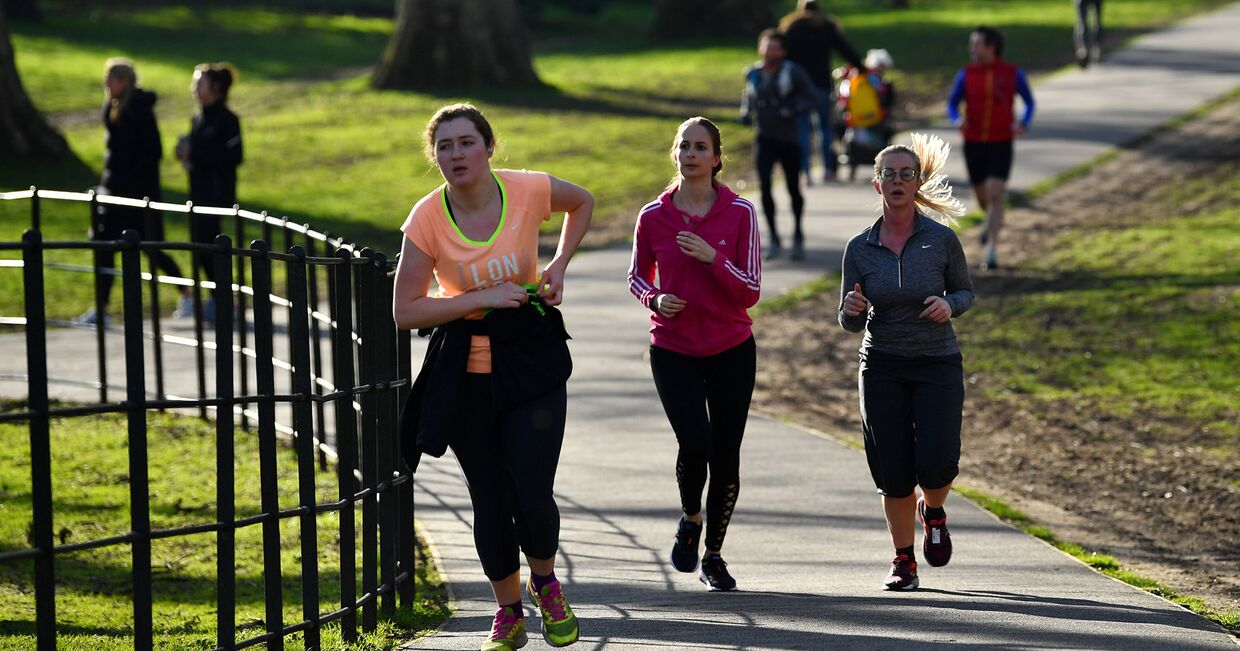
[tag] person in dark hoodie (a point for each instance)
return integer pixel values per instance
(776, 92)
(702, 241)
(210, 153)
(810, 35)
(477, 236)
(130, 169)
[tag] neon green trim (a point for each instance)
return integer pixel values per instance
(503, 213)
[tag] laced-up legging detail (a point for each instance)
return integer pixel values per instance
(707, 403)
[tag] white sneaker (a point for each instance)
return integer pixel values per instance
(90, 318)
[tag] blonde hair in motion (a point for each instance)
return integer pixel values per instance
(934, 198)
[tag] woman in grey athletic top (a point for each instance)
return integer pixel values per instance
(904, 279)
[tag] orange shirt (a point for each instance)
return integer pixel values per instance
(511, 253)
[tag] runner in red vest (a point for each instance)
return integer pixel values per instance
(988, 86)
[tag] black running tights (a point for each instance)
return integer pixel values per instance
(707, 402)
(509, 460)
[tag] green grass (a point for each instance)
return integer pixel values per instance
(1228, 619)
(1135, 317)
(794, 296)
(347, 159)
(91, 499)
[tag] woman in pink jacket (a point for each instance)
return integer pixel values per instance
(703, 241)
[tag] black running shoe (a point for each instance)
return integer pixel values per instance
(903, 574)
(936, 544)
(684, 554)
(714, 574)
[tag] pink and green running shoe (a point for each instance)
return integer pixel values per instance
(507, 631)
(559, 625)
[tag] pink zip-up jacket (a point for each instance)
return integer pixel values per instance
(718, 295)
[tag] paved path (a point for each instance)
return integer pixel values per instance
(808, 544)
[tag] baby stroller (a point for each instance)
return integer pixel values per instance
(865, 99)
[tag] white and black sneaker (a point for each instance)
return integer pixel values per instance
(714, 574)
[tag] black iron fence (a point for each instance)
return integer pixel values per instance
(337, 409)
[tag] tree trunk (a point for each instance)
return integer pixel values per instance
(711, 18)
(21, 9)
(24, 134)
(456, 44)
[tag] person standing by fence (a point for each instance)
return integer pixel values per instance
(703, 242)
(477, 235)
(777, 91)
(811, 35)
(211, 153)
(988, 87)
(904, 279)
(130, 169)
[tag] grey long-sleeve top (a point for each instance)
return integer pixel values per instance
(932, 264)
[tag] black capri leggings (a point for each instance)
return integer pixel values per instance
(707, 402)
(509, 460)
(910, 418)
(111, 224)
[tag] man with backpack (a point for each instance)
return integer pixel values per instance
(988, 86)
(777, 91)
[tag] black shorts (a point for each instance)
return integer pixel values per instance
(910, 419)
(988, 160)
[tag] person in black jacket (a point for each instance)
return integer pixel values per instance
(211, 153)
(810, 35)
(130, 169)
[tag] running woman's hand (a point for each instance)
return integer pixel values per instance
(503, 296)
(695, 247)
(669, 305)
(855, 302)
(940, 311)
(551, 284)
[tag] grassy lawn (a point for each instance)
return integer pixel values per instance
(324, 148)
(1144, 321)
(91, 499)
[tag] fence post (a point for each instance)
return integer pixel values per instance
(407, 540)
(200, 354)
(101, 303)
(316, 343)
(368, 374)
(340, 289)
(265, 374)
(385, 356)
(303, 426)
(158, 344)
(36, 220)
(225, 505)
(135, 408)
(242, 328)
(40, 443)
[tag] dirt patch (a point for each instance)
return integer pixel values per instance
(1144, 488)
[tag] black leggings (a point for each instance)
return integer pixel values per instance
(202, 230)
(509, 460)
(768, 151)
(111, 225)
(707, 402)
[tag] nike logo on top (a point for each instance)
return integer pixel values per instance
(926, 246)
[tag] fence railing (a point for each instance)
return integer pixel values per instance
(357, 382)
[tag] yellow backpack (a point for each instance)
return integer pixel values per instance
(865, 108)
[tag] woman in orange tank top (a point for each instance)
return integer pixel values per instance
(477, 236)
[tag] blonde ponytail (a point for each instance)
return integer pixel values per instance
(934, 198)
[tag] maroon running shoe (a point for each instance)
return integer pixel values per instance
(936, 544)
(903, 574)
